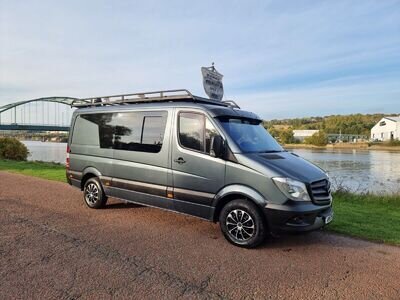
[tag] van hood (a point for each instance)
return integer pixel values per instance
(288, 164)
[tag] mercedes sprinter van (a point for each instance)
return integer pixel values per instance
(196, 156)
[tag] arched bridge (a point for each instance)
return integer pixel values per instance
(41, 114)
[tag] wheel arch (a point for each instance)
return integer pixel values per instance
(88, 173)
(233, 192)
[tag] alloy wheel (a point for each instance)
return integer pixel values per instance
(91, 193)
(240, 225)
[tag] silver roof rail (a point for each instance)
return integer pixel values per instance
(157, 96)
(231, 103)
(167, 95)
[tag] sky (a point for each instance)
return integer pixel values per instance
(280, 59)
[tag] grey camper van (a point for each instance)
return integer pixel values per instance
(196, 156)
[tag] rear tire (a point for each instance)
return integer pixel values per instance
(242, 224)
(93, 193)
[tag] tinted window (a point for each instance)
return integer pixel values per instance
(196, 132)
(153, 130)
(191, 131)
(127, 130)
(85, 132)
(210, 133)
(133, 131)
(105, 131)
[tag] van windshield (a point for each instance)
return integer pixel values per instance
(250, 135)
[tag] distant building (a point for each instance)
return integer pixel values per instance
(348, 138)
(300, 135)
(386, 129)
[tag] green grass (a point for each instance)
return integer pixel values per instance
(372, 217)
(51, 171)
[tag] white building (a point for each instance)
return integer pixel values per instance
(300, 135)
(387, 128)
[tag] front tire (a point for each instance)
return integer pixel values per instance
(242, 224)
(93, 193)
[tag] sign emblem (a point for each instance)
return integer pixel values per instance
(212, 83)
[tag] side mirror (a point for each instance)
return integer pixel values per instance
(217, 146)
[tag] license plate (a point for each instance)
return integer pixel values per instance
(328, 219)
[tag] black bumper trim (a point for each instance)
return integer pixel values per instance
(296, 217)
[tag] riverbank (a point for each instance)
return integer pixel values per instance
(340, 146)
(45, 170)
(372, 217)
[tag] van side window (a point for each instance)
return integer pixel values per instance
(85, 132)
(196, 131)
(97, 126)
(210, 133)
(140, 131)
(191, 131)
(127, 130)
(131, 131)
(153, 130)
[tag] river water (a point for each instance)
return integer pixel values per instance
(360, 171)
(47, 151)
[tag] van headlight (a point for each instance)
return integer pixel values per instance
(292, 189)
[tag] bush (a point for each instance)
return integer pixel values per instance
(318, 139)
(11, 148)
(395, 142)
(392, 142)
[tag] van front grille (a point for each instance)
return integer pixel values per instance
(321, 192)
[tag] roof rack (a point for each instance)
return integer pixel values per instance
(157, 96)
(231, 103)
(167, 95)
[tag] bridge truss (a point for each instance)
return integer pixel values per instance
(41, 114)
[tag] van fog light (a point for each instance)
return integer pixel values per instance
(297, 220)
(292, 189)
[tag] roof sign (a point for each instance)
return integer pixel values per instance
(212, 83)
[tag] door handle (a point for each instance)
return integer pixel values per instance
(179, 160)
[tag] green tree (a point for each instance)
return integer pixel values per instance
(274, 132)
(286, 136)
(348, 124)
(318, 139)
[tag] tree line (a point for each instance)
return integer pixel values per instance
(359, 124)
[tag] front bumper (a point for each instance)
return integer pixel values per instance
(297, 216)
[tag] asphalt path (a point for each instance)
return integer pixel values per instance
(52, 246)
